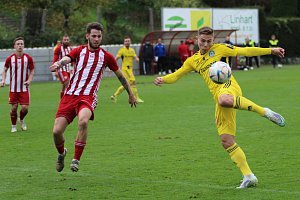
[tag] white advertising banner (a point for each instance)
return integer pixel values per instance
(245, 20)
(184, 19)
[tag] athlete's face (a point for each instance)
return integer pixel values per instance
(66, 41)
(19, 45)
(127, 42)
(205, 42)
(94, 38)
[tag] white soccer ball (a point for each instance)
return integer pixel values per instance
(219, 72)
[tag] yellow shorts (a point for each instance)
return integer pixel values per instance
(226, 117)
(128, 73)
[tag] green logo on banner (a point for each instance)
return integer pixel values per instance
(175, 22)
(200, 22)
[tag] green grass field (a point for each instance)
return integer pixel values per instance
(166, 148)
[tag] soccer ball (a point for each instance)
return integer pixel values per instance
(219, 72)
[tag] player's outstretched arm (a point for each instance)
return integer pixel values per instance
(131, 98)
(158, 81)
(278, 52)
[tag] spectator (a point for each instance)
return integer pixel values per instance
(160, 56)
(250, 43)
(147, 55)
(273, 42)
(227, 41)
(191, 44)
(183, 51)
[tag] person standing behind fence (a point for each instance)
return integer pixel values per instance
(147, 55)
(64, 72)
(21, 69)
(250, 43)
(183, 51)
(160, 56)
(274, 42)
(127, 54)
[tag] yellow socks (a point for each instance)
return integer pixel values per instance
(238, 157)
(243, 103)
(119, 91)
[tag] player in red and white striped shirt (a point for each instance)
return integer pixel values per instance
(21, 73)
(80, 97)
(63, 72)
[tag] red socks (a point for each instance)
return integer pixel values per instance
(60, 147)
(13, 117)
(79, 147)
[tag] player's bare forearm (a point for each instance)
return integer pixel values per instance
(30, 77)
(124, 82)
(65, 60)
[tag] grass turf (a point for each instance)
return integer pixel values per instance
(166, 148)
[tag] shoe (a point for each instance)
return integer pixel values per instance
(279, 65)
(113, 98)
(74, 165)
(274, 117)
(60, 163)
(23, 125)
(13, 129)
(248, 181)
(139, 100)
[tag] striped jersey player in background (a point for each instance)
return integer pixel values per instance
(63, 73)
(21, 74)
(228, 96)
(80, 98)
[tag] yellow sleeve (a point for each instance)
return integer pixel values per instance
(185, 68)
(119, 54)
(252, 51)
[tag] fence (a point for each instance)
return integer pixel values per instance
(42, 58)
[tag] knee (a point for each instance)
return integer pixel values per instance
(24, 109)
(226, 100)
(83, 124)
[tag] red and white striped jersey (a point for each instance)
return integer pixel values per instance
(19, 71)
(88, 70)
(60, 52)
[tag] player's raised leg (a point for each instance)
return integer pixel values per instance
(60, 125)
(242, 103)
(84, 116)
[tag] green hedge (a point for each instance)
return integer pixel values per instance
(287, 31)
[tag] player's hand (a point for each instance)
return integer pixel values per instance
(27, 83)
(278, 52)
(54, 66)
(2, 83)
(158, 81)
(132, 100)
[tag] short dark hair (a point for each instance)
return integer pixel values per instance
(206, 30)
(94, 25)
(18, 38)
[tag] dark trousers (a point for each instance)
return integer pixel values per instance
(249, 61)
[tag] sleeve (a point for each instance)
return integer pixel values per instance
(30, 63)
(111, 62)
(134, 54)
(185, 68)
(74, 53)
(56, 54)
(119, 54)
(252, 51)
(7, 62)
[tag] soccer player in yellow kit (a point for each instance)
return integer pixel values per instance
(228, 96)
(127, 54)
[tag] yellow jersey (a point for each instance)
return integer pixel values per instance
(127, 55)
(201, 63)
